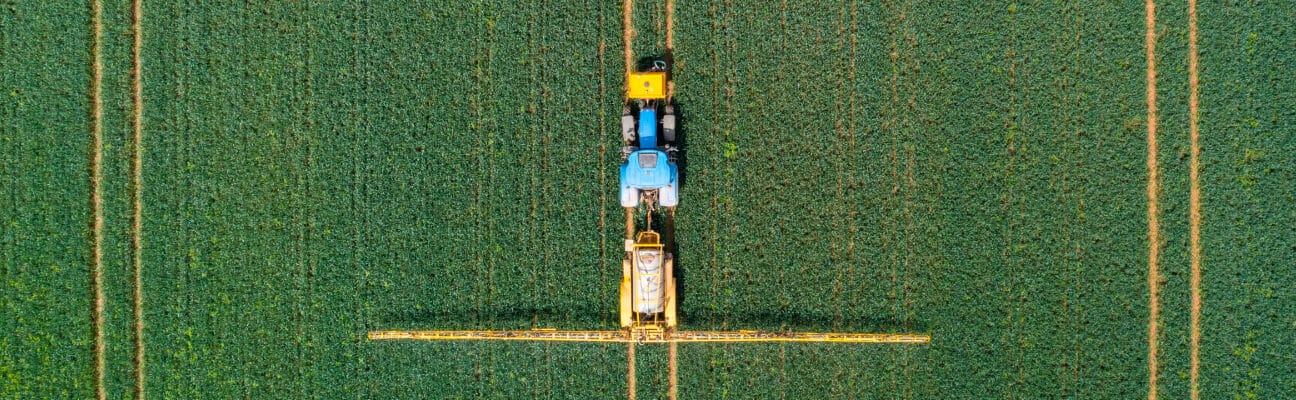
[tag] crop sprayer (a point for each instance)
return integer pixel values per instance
(649, 184)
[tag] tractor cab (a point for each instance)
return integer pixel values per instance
(648, 169)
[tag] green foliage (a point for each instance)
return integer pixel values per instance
(1249, 317)
(45, 339)
(314, 171)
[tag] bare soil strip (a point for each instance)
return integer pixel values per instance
(672, 381)
(1153, 187)
(96, 192)
(670, 47)
(670, 25)
(627, 34)
(630, 374)
(137, 191)
(1194, 199)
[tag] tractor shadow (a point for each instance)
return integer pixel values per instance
(799, 321)
(503, 316)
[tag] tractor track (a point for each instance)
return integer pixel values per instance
(1194, 205)
(137, 191)
(630, 371)
(627, 33)
(670, 52)
(670, 24)
(1153, 189)
(672, 384)
(96, 222)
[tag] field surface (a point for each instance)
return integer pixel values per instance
(1075, 199)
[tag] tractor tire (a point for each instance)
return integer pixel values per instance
(627, 127)
(668, 127)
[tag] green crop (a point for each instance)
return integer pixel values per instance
(977, 172)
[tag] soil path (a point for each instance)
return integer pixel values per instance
(627, 34)
(630, 374)
(1153, 187)
(670, 25)
(96, 192)
(1194, 199)
(672, 382)
(137, 191)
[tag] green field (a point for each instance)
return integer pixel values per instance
(316, 170)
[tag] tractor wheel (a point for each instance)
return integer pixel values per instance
(628, 129)
(668, 125)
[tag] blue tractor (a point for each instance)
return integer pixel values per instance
(648, 171)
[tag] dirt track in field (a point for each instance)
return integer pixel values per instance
(628, 33)
(96, 198)
(1153, 189)
(1194, 202)
(672, 383)
(137, 191)
(630, 373)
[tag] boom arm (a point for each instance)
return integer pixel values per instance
(651, 336)
(802, 337)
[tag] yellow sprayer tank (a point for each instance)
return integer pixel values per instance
(649, 280)
(648, 284)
